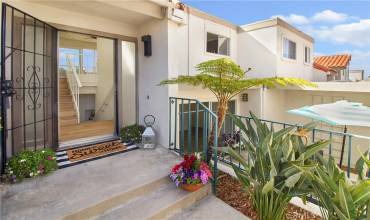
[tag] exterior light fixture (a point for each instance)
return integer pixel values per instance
(245, 97)
(147, 39)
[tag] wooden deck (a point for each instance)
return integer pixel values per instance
(85, 130)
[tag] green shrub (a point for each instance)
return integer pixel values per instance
(132, 133)
(29, 164)
(277, 163)
(339, 197)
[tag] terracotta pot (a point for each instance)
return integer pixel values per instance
(191, 187)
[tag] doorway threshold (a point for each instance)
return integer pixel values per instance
(65, 145)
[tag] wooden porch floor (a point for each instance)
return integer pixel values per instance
(86, 129)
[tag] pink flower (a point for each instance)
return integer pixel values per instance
(49, 158)
(204, 168)
(203, 177)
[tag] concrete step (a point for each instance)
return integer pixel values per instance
(210, 207)
(157, 200)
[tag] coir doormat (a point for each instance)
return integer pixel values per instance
(96, 150)
(78, 155)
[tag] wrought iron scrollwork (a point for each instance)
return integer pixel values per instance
(34, 85)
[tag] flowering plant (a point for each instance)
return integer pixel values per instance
(192, 170)
(29, 164)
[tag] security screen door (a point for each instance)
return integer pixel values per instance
(28, 82)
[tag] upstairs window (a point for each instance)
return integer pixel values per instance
(218, 44)
(82, 60)
(307, 54)
(289, 49)
(71, 54)
(89, 60)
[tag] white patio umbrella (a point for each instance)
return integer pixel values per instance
(338, 113)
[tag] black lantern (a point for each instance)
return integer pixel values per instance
(147, 39)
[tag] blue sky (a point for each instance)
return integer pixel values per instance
(337, 26)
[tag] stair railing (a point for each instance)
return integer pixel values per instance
(191, 125)
(105, 103)
(74, 85)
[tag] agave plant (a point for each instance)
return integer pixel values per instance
(274, 172)
(338, 196)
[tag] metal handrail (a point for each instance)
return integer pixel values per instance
(205, 121)
(105, 103)
(74, 85)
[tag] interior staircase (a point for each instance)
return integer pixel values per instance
(67, 111)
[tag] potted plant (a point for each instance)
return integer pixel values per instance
(191, 174)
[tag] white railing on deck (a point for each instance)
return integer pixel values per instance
(74, 85)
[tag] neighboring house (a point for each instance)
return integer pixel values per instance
(322, 73)
(338, 64)
(274, 48)
(356, 75)
(122, 50)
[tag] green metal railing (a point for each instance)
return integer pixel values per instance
(336, 139)
(191, 125)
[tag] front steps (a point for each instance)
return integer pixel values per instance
(132, 185)
(159, 199)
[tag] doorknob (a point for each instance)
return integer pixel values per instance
(7, 88)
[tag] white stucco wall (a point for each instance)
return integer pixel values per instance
(293, 68)
(153, 99)
(193, 40)
(257, 50)
(319, 75)
(252, 105)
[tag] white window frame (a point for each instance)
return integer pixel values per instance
(217, 54)
(282, 49)
(304, 54)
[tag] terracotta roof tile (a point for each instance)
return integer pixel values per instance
(334, 61)
(321, 67)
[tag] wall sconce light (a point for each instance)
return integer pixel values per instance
(245, 97)
(147, 39)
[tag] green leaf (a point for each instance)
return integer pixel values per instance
(238, 122)
(313, 149)
(241, 176)
(238, 158)
(269, 186)
(292, 180)
(345, 201)
(361, 192)
(363, 164)
(340, 214)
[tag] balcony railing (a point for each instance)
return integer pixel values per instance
(338, 140)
